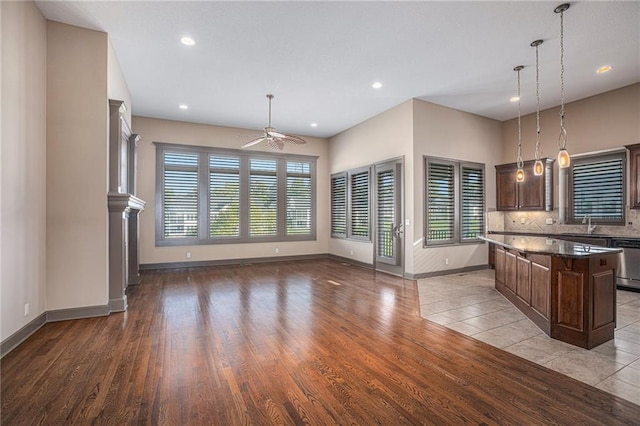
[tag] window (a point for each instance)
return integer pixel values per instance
(224, 196)
(339, 205)
(209, 195)
(180, 195)
(359, 203)
(472, 202)
(454, 201)
(351, 204)
(597, 188)
(299, 199)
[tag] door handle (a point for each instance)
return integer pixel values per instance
(397, 230)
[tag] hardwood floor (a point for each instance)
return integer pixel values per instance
(313, 342)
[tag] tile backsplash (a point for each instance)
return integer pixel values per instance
(536, 222)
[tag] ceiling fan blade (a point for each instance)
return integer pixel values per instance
(253, 136)
(277, 135)
(293, 140)
(254, 142)
(275, 144)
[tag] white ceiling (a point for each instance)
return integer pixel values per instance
(320, 58)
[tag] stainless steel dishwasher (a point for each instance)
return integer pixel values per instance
(629, 270)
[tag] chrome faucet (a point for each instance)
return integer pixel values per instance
(590, 228)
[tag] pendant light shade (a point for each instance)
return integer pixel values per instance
(538, 167)
(564, 159)
(519, 162)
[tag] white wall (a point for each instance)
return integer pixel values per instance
(22, 153)
(77, 160)
(386, 136)
(157, 130)
(444, 132)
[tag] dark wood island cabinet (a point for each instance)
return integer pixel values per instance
(567, 289)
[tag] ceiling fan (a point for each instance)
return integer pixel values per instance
(274, 140)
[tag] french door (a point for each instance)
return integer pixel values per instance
(388, 217)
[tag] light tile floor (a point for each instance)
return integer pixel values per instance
(469, 303)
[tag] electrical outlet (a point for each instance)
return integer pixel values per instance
(549, 221)
(26, 309)
(277, 250)
(446, 260)
(351, 252)
(188, 255)
(522, 220)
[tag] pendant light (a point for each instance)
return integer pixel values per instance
(564, 160)
(519, 162)
(538, 167)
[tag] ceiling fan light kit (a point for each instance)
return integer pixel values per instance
(275, 141)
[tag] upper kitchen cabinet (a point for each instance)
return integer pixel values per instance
(634, 176)
(534, 193)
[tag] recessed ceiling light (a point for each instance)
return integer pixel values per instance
(188, 41)
(515, 99)
(604, 69)
(376, 85)
(183, 106)
(314, 124)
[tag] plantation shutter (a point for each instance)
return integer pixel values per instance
(598, 189)
(386, 212)
(472, 199)
(180, 195)
(360, 204)
(440, 202)
(298, 198)
(224, 196)
(263, 197)
(339, 205)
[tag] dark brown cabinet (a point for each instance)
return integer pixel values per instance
(535, 193)
(634, 176)
(525, 279)
(570, 299)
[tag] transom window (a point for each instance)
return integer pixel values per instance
(211, 195)
(597, 188)
(454, 201)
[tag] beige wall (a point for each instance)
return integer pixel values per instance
(411, 130)
(602, 122)
(444, 132)
(609, 120)
(77, 129)
(156, 130)
(384, 137)
(116, 84)
(22, 153)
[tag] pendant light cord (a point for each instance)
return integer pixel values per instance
(537, 155)
(519, 161)
(562, 139)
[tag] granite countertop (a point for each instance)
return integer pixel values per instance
(563, 235)
(548, 246)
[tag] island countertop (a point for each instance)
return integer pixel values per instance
(548, 246)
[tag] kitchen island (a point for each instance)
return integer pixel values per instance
(568, 289)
